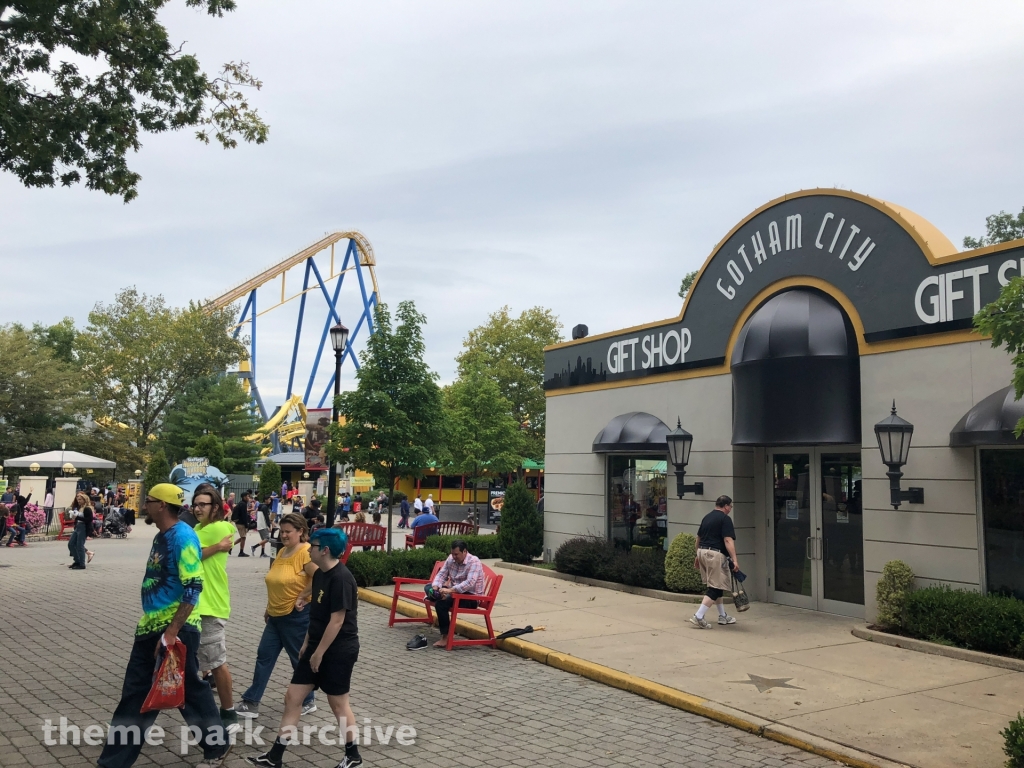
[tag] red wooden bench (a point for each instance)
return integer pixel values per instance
(419, 535)
(364, 534)
(485, 604)
(67, 523)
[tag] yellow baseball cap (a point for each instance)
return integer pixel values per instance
(170, 494)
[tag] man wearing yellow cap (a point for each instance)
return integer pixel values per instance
(170, 591)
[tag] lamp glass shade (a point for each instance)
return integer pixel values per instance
(679, 443)
(894, 434)
(339, 337)
(69, 467)
(34, 467)
(138, 473)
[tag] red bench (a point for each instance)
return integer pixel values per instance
(484, 602)
(419, 535)
(67, 523)
(364, 534)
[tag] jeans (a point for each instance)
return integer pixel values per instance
(76, 545)
(281, 632)
(200, 708)
(444, 607)
(17, 532)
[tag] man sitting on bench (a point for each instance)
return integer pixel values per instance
(462, 573)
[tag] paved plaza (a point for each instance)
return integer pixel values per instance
(66, 636)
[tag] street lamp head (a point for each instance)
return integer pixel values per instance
(679, 443)
(305, 475)
(34, 467)
(894, 434)
(339, 338)
(138, 473)
(68, 468)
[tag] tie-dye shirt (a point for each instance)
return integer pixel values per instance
(174, 575)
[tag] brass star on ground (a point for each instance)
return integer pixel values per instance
(767, 683)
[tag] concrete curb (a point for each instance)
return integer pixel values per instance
(655, 691)
(950, 652)
(660, 594)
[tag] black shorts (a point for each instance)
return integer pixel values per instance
(335, 675)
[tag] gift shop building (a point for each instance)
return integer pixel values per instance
(806, 322)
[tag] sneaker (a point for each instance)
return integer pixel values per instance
(417, 643)
(215, 762)
(350, 761)
(699, 623)
(727, 619)
(242, 554)
(263, 554)
(77, 567)
(308, 709)
(229, 719)
(253, 548)
(262, 760)
(248, 709)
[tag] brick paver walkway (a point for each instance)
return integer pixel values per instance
(65, 637)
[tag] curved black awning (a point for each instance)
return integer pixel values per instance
(990, 422)
(796, 374)
(635, 432)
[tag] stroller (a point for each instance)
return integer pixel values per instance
(113, 524)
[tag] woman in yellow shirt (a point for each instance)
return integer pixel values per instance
(289, 584)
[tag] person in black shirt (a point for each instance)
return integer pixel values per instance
(240, 517)
(328, 653)
(716, 550)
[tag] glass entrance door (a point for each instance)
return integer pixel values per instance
(816, 528)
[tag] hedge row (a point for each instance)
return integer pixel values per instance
(990, 623)
(377, 568)
(484, 547)
(599, 559)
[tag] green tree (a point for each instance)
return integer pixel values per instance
(1003, 320)
(686, 284)
(60, 338)
(215, 405)
(482, 436)
(139, 355)
(157, 471)
(210, 447)
(82, 80)
(999, 228)
(511, 351)
(42, 399)
(270, 479)
(521, 537)
(393, 419)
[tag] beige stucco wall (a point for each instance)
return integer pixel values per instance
(933, 388)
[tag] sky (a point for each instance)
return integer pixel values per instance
(580, 156)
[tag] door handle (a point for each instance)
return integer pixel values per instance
(807, 549)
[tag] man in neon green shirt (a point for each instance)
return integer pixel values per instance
(215, 537)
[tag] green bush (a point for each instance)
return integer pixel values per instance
(990, 623)
(583, 556)
(896, 582)
(376, 568)
(641, 567)
(521, 537)
(270, 479)
(1013, 742)
(157, 471)
(484, 547)
(680, 575)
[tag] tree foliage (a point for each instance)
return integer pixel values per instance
(270, 479)
(42, 399)
(60, 122)
(510, 350)
(686, 284)
(393, 419)
(157, 471)
(1003, 320)
(217, 406)
(210, 447)
(999, 228)
(482, 437)
(139, 355)
(521, 537)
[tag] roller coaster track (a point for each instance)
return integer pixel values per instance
(358, 259)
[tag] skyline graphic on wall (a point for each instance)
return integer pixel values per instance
(575, 376)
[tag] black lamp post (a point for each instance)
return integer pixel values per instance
(893, 434)
(339, 340)
(679, 443)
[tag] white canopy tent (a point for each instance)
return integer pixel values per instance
(57, 459)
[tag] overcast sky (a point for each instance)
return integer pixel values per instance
(581, 156)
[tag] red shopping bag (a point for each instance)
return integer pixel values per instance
(168, 691)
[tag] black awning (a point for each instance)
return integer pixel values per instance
(634, 432)
(990, 422)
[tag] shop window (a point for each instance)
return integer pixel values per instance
(429, 482)
(1002, 504)
(637, 502)
(452, 482)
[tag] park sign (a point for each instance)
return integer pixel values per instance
(895, 275)
(195, 465)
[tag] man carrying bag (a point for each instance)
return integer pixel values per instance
(716, 551)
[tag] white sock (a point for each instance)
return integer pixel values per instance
(701, 611)
(721, 609)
